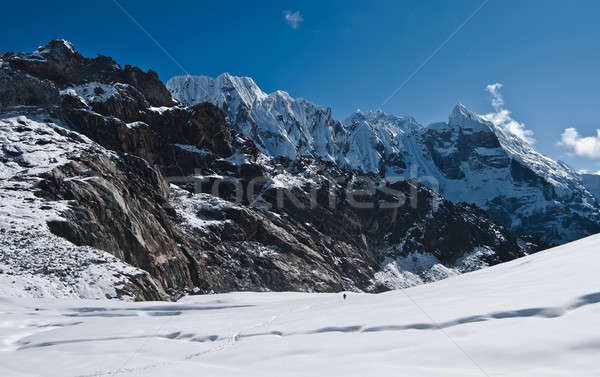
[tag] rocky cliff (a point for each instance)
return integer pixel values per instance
(196, 205)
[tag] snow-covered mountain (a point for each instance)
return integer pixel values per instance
(474, 161)
(373, 141)
(467, 159)
(283, 126)
(279, 124)
(87, 147)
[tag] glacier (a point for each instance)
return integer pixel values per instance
(491, 322)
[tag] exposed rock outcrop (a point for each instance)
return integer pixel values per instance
(118, 206)
(59, 62)
(20, 89)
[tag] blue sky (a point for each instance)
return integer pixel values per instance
(353, 54)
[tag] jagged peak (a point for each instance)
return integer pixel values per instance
(369, 115)
(189, 89)
(461, 110)
(244, 80)
(462, 117)
(378, 118)
(207, 87)
(286, 96)
(57, 47)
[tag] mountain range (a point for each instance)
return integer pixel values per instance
(466, 159)
(116, 185)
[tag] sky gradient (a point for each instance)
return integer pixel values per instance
(351, 54)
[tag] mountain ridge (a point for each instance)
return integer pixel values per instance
(110, 165)
(466, 158)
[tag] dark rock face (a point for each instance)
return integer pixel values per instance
(321, 243)
(254, 249)
(465, 150)
(148, 83)
(125, 105)
(20, 89)
(272, 224)
(153, 136)
(299, 245)
(119, 205)
(60, 63)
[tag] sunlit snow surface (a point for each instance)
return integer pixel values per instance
(536, 316)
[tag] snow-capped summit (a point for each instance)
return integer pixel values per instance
(466, 119)
(195, 89)
(58, 49)
(283, 126)
(374, 141)
(380, 120)
(278, 123)
(474, 161)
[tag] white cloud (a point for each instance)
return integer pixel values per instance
(501, 117)
(586, 171)
(581, 146)
(293, 18)
(497, 99)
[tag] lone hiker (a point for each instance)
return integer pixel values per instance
(344, 296)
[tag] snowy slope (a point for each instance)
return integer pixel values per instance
(535, 316)
(374, 140)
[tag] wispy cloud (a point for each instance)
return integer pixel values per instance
(293, 18)
(501, 117)
(581, 146)
(586, 171)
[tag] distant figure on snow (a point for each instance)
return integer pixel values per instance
(344, 296)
